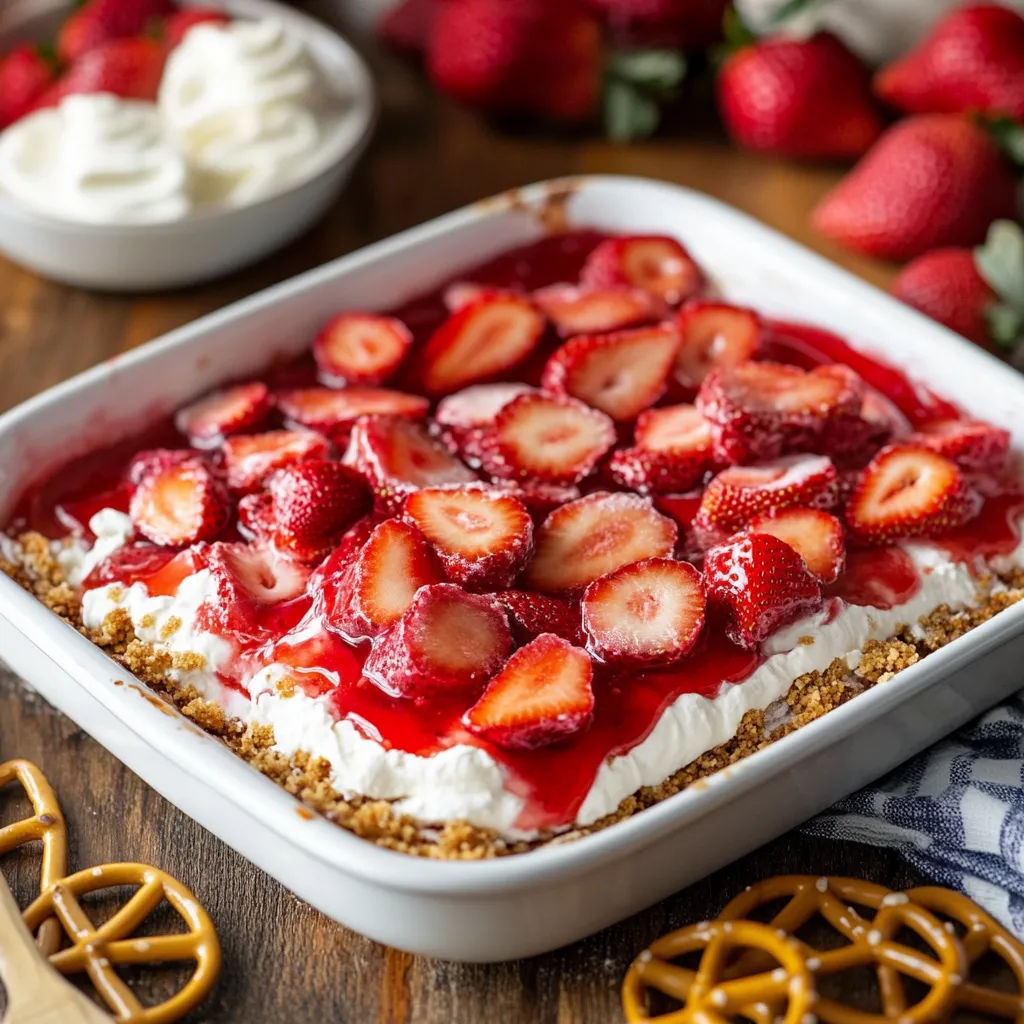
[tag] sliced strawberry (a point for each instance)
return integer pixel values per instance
(148, 462)
(314, 503)
(909, 491)
(547, 438)
(486, 337)
(817, 537)
(483, 539)
(975, 447)
(256, 519)
(650, 612)
(655, 263)
(888, 423)
(460, 294)
(764, 410)
(621, 374)
(360, 348)
(332, 412)
(761, 584)
(541, 696)
(676, 428)
(596, 535)
(575, 310)
(397, 457)
(539, 498)
(531, 614)
(446, 642)
(207, 422)
(738, 494)
(392, 565)
(179, 504)
(465, 418)
(715, 336)
(674, 449)
(134, 562)
(248, 459)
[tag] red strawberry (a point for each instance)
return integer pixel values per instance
(249, 459)
(530, 57)
(397, 457)
(971, 61)
(539, 498)
(817, 537)
(931, 181)
(909, 491)
(546, 438)
(141, 562)
(887, 421)
(531, 614)
(100, 21)
(739, 494)
(465, 418)
(408, 24)
(683, 24)
(575, 310)
(446, 642)
(650, 612)
(179, 504)
(25, 74)
(761, 584)
(674, 428)
(975, 447)
(655, 264)
(256, 519)
(461, 293)
(332, 412)
(542, 696)
(674, 449)
(483, 339)
(128, 68)
(483, 539)
(763, 410)
(315, 502)
(621, 374)
(360, 348)
(798, 98)
(148, 462)
(207, 422)
(596, 535)
(374, 591)
(178, 24)
(714, 336)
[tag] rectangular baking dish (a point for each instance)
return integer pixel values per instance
(523, 905)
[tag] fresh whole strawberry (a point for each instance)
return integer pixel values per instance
(972, 61)
(180, 23)
(25, 74)
(931, 181)
(799, 98)
(407, 25)
(99, 21)
(128, 68)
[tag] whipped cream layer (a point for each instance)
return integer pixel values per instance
(464, 782)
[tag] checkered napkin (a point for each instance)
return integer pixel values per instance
(956, 812)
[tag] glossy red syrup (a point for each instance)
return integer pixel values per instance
(554, 780)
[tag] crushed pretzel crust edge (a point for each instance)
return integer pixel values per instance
(307, 778)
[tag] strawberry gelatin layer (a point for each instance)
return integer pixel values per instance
(535, 540)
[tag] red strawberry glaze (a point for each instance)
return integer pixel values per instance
(554, 780)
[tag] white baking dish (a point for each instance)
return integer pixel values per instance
(532, 903)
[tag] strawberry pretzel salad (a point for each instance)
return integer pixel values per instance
(534, 551)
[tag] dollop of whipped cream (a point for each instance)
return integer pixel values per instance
(95, 159)
(244, 103)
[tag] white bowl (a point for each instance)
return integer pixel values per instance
(142, 257)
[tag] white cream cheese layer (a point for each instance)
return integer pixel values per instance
(465, 782)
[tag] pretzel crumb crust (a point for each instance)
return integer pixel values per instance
(810, 696)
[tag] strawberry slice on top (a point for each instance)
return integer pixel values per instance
(817, 537)
(547, 438)
(622, 373)
(482, 538)
(649, 612)
(230, 411)
(465, 418)
(974, 446)
(179, 504)
(360, 348)
(256, 521)
(530, 614)
(575, 310)
(543, 695)
(332, 412)
(248, 459)
(398, 456)
(486, 337)
(654, 263)
(761, 584)
(714, 336)
(909, 491)
(595, 535)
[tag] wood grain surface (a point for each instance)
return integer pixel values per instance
(284, 962)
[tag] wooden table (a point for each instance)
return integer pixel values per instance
(284, 962)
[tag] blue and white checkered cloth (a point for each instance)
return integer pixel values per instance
(956, 812)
